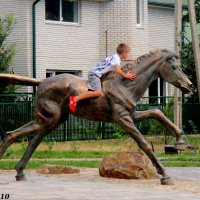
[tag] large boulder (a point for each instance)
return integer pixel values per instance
(57, 169)
(127, 165)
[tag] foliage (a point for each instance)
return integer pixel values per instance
(193, 127)
(186, 54)
(24, 143)
(197, 8)
(156, 127)
(188, 63)
(119, 133)
(75, 146)
(50, 143)
(7, 51)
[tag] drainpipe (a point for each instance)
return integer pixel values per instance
(34, 40)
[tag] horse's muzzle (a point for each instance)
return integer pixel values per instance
(188, 89)
(192, 88)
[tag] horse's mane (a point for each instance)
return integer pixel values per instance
(136, 62)
(144, 57)
(148, 55)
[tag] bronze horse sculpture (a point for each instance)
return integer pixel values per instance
(117, 104)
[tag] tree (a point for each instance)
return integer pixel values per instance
(7, 51)
(188, 63)
(186, 54)
(197, 8)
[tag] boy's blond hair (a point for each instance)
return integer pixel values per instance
(122, 48)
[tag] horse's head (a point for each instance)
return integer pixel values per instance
(171, 72)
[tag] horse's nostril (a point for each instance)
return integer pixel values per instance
(192, 87)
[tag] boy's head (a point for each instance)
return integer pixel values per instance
(123, 50)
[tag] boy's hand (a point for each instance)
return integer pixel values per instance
(130, 75)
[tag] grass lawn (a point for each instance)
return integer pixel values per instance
(186, 159)
(94, 149)
(112, 145)
(17, 154)
(10, 164)
(181, 160)
(184, 156)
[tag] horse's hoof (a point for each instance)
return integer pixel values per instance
(166, 181)
(181, 146)
(20, 177)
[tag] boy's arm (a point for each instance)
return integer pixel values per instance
(129, 75)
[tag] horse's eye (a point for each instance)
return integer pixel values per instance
(173, 67)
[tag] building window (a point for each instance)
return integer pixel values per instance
(50, 73)
(139, 10)
(158, 88)
(62, 10)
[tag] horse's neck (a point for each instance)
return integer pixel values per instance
(147, 72)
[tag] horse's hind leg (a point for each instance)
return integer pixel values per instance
(41, 123)
(28, 129)
(33, 144)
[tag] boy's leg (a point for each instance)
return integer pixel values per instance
(94, 85)
(89, 94)
(75, 99)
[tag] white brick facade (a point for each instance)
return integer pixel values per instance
(68, 47)
(118, 18)
(61, 46)
(161, 31)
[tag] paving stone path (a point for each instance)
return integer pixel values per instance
(88, 185)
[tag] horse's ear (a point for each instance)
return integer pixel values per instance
(169, 57)
(176, 56)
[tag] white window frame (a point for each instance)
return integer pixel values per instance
(60, 21)
(53, 72)
(139, 25)
(164, 89)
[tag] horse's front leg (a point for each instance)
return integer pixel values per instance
(126, 122)
(159, 116)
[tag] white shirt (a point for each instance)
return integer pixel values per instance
(106, 65)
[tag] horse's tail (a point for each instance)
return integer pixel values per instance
(12, 79)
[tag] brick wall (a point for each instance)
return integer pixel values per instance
(61, 46)
(161, 31)
(118, 18)
(68, 47)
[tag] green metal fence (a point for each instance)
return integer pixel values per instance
(16, 110)
(191, 115)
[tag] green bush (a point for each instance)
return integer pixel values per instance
(7, 51)
(186, 54)
(156, 127)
